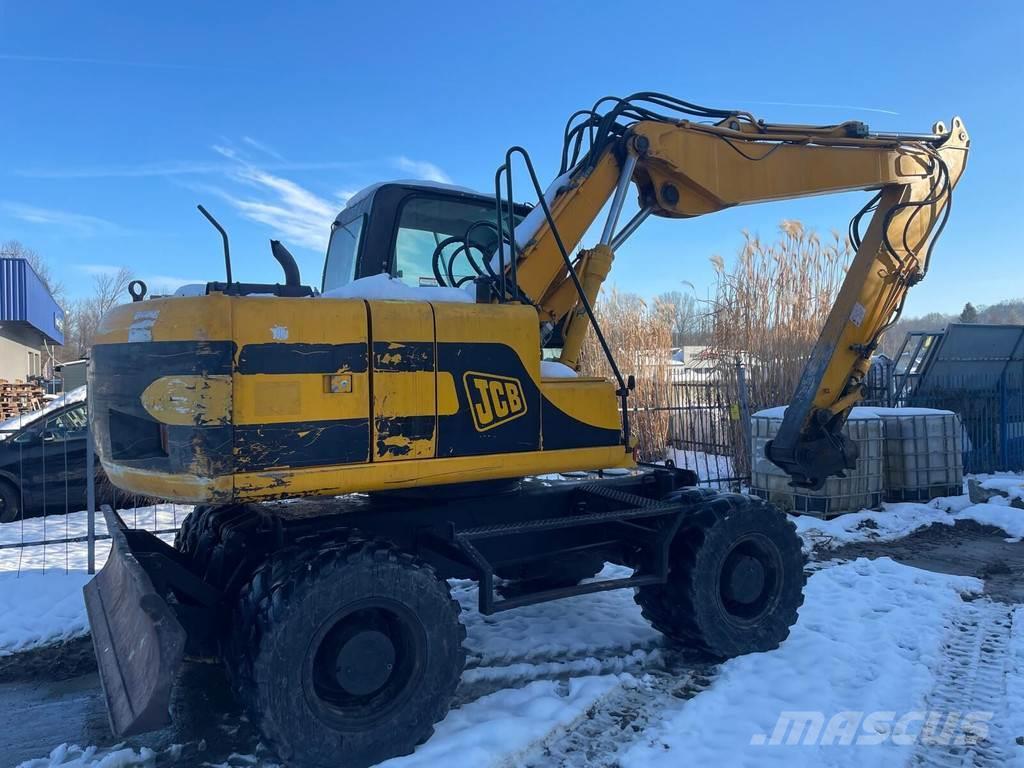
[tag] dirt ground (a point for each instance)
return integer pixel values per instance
(964, 549)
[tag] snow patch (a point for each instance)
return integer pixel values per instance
(495, 728)
(1011, 485)
(40, 609)
(998, 513)
(552, 369)
(869, 638)
(74, 756)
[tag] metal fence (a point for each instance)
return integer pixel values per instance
(50, 489)
(709, 424)
(992, 414)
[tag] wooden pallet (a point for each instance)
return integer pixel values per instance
(17, 398)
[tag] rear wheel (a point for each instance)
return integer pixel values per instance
(735, 579)
(10, 502)
(347, 654)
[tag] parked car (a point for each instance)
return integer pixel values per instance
(42, 459)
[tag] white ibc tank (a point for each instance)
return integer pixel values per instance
(923, 451)
(860, 489)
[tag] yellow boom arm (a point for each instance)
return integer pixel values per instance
(684, 169)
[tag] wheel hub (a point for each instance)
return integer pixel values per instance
(365, 662)
(745, 579)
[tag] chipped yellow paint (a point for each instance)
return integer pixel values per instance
(395, 475)
(396, 394)
(184, 400)
(178, 487)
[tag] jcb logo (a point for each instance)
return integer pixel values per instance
(494, 400)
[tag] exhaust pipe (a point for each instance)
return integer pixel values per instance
(287, 262)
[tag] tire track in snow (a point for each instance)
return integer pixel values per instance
(970, 678)
(616, 720)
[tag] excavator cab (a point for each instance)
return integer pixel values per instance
(406, 228)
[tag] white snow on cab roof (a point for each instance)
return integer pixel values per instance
(365, 192)
(384, 287)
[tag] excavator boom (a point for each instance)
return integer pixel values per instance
(683, 169)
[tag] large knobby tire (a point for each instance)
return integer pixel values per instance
(346, 655)
(736, 579)
(187, 536)
(10, 502)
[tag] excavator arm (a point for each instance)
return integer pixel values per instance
(683, 169)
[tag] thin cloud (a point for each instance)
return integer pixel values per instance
(296, 214)
(847, 107)
(78, 223)
(262, 147)
(171, 168)
(422, 169)
(32, 58)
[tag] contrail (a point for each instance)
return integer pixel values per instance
(850, 107)
(109, 62)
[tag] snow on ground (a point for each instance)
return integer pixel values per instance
(41, 586)
(1014, 711)
(1011, 485)
(74, 756)
(573, 628)
(871, 631)
(39, 609)
(894, 521)
(496, 728)
(708, 466)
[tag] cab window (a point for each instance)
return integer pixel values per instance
(425, 223)
(340, 268)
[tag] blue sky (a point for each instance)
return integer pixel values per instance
(117, 122)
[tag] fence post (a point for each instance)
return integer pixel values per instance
(90, 496)
(1004, 457)
(741, 386)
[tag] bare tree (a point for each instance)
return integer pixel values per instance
(82, 317)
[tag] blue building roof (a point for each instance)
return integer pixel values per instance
(25, 299)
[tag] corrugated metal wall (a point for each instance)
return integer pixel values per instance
(24, 298)
(12, 290)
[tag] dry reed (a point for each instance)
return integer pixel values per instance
(770, 306)
(640, 337)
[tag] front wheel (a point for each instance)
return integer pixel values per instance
(10, 502)
(735, 579)
(347, 654)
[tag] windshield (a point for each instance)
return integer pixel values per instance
(425, 223)
(341, 253)
(9, 427)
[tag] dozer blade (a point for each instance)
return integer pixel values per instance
(139, 642)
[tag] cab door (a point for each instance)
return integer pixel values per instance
(404, 381)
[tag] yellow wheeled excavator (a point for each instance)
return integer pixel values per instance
(351, 448)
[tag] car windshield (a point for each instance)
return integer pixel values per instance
(12, 425)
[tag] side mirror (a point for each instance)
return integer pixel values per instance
(49, 436)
